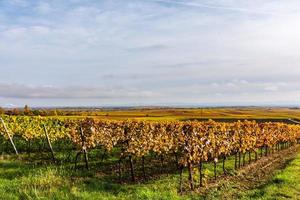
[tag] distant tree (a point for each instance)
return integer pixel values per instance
(58, 112)
(43, 113)
(2, 111)
(52, 112)
(27, 110)
(36, 112)
(8, 112)
(15, 111)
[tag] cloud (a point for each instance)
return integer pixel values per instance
(230, 84)
(44, 8)
(162, 51)
(211, 6)
(148, 48)
(271, 88)
(10, 105)
(19, 91)
(19, 3)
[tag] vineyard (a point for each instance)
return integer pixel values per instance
(137, 146)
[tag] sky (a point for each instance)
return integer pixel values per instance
(149, 52)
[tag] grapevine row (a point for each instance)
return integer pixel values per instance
(192, 143)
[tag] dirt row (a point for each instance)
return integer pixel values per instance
(251, 176)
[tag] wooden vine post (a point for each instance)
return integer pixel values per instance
(130, 158)
(120, 169)
(266, 153)
(131, 168)
(249, 156)
(235, 160)
(215, 168)
(82, 151)
(161, 164)
(256, 156)
(29, 148)
(239, 160)
(190, 171)
(143, 168)
(223, 166)
(200, 174)
(49, 142)
(9, 136)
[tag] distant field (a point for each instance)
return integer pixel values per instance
(221, 114)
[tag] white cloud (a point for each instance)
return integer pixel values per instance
(159, 50)
(230, 84)
(44, 8)
(215, 84)
(69, 92)
(10, 105)
(19, 3)
(271, 88)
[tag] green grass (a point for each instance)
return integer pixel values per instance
(284, 185)
(27, 180)
(22, 181)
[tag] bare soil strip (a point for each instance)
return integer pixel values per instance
(251, 176)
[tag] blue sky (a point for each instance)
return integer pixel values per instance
(149, 52)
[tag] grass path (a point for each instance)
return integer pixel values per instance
(284, 185)
(19, 180)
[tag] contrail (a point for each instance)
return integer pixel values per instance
(200, 5)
